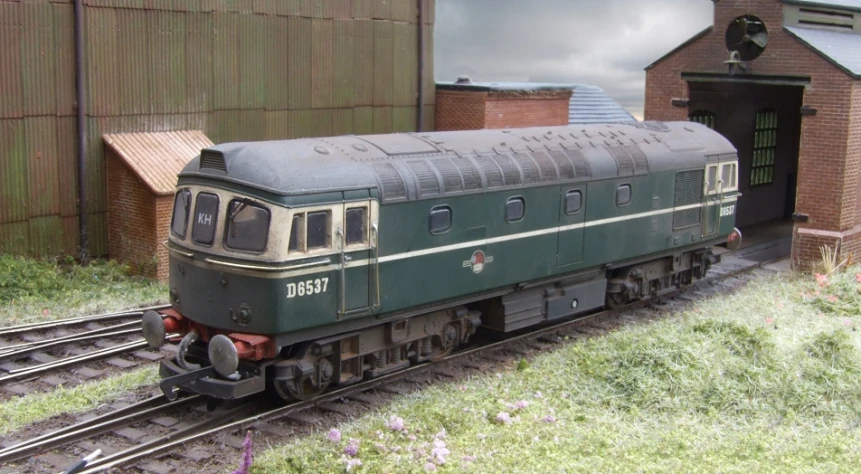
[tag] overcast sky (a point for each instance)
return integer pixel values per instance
(600, 42)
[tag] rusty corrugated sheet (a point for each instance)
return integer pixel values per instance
(11, 85)
(276, 124)
(299, 124)
(13, 171)
(430, 12)
(157, 157)
(430, 110)
(344, 59)
(64, 52)
(382, 9)
(322, 66)
(276, 65)
(94, 162)
(405, 10)
(363, 120)
(46, 236)
(342, 10)
(199, 62)
(71, 237)
(236, 125)
(97, 226)
(363, 66)
(252, 44)
(321, 122)
(383, 62)
(299, 62)
(67, 164)
(405, 75)
(167, 61)
(102, 53)
(342, 121)
(383, 119)
(38, 59)
(133, 63)
(429, 84)
(225, 59)
(14, 238)
(43, 166)
(363, 9)
(404, 119)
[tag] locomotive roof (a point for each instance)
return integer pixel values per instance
(408, 166)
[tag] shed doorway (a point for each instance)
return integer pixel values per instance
(763, 121)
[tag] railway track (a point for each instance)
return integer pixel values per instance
(30, 351)
(158, 450)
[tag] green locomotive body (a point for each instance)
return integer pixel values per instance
(303, 264)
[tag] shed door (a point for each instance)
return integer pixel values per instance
(572, 214)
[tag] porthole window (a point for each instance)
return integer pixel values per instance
(573, 202)
(440, 220)
(205, 217)
(181, 208)
(623, 195)
(357, 227)
(514, 210)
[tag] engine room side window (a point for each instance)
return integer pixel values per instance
(573, 202)
(623, 195)
(205, 218)
(440, 220)
(357, 225)
(247, 226)
(514, 210)
(318, 230)
(181, 208)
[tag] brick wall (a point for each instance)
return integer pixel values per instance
(132, 237)
(475, 110)
(506, 112)
(828, 174)
(459, 110)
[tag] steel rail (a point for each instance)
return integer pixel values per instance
(22, 372)
(93, 427)
(7, 352)
(191, 434)
(78, 320)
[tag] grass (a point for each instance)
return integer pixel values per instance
(764, 380)
(44, 290)
(21, 411)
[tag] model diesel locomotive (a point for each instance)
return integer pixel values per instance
(300, 265)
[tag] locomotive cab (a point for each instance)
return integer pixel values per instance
(720, 197)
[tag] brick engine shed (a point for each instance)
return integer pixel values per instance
(467, 105)
(781, 79)
(141, 180)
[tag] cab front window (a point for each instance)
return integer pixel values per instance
(181, 208)
(247, 226)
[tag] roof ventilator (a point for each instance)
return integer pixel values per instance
(211, 159)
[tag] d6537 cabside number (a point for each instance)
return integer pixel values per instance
(727, 210)
(307, 287)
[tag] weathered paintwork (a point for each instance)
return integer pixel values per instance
(415, 268)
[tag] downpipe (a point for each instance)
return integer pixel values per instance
(81, 129)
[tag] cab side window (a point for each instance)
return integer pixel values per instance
(310, 231)
(318, 230)
(357, 225)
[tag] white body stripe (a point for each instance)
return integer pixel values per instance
(284, 272)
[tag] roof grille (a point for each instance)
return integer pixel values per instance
(840, 20)
(212, 159)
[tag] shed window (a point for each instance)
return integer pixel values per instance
(573, 202)
(764, 149)
(623, 195)
(704, 117)
(357, 227)
(514, 210)
(205, 216)
(318, 230)
(440, 220)
(247, 226)
(181, 208)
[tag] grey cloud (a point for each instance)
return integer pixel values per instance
(606, 43)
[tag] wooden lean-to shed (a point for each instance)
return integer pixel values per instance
(141, 177)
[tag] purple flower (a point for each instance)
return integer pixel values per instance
(441, 434)
(412, 437)
(503, 417)
(352, 448)
(395, 423)
(430, 467)
(539, 395)
(469, 458)
(351, 463)
(550, 419)
(334, 435)
(247, 456)
(521, 404)
(381, 448)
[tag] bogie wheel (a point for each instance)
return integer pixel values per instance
(445, 344)
(298, 391)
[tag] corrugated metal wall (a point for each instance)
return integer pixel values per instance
(237, 69)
